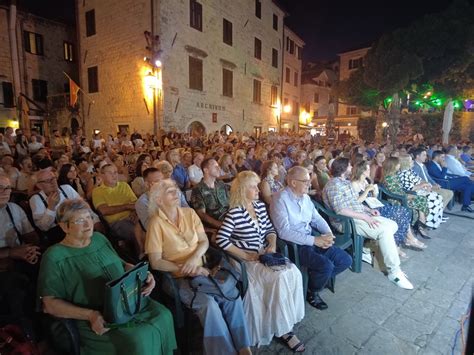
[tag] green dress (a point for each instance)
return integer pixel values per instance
(78, 275)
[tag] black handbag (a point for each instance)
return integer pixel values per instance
(123, 296)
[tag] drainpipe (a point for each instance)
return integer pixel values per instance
(14, 49)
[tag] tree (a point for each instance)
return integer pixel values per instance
(437, 50)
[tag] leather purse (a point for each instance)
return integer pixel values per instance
(123, 296)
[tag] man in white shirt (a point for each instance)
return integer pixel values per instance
(194, 171)
(455, 167)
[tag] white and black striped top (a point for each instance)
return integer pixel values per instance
(240, 230)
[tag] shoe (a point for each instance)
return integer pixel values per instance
(445, 218)
(316, 301)
(467, 209)
(400, 279)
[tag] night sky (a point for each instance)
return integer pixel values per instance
(328, 27)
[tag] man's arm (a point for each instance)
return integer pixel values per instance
(43, 217)
(207, 219)
(107, 210)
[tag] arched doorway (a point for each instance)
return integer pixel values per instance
(227, 129)
(196, 129)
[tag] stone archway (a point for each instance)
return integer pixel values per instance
(196, 129)
(227, 129)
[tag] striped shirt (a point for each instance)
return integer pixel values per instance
(240, 230)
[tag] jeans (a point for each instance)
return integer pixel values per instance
(323, 264)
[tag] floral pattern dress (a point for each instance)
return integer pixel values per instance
(408, 179)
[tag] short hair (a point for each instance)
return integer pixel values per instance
(436, 154)
(102, 169)
(339, 166)
(69, 207)
(238, 188)
(156, 191)
(335, 153)
(450, 148)
(205, 163)
(164, 167)
(466, 148)
(294, 171)
(318, 159)
(416, 152)
(149, 171)
(390, 166)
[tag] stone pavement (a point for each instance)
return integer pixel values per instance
(369, 315)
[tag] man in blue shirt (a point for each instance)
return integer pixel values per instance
(294, 215)
(180, 174)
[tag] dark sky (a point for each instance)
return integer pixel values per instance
(327, 26)
(331, 26)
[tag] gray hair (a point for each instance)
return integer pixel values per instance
(156, 194)
(295, 171)
(69, 207)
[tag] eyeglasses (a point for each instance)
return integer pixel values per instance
(47, 181)
(4, 188)
(81, 221)
(303, 181)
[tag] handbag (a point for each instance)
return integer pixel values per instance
(123, 296)
(221, 282)
(272, 259)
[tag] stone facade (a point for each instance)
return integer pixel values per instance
(48, 66)
(119, 46)
(292, 72)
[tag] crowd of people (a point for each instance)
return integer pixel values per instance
(69, 204)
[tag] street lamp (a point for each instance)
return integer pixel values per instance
(287, 109)
(152, 82)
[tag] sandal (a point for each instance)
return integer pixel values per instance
(415, 245)
(292, 341)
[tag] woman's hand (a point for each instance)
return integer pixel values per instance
(191, 266)
(26, 252)
(97, 323)
(149, 285)
(250, 256)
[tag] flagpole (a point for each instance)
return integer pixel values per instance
(80, 89)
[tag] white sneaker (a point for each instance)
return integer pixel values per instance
(400, 279)
(367, 256)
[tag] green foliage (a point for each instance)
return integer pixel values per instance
(366, 128)
(430, 125)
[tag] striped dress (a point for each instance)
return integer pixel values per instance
(240, 230)
(274, 301)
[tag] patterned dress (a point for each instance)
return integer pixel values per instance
(398, 214)
(409, 179)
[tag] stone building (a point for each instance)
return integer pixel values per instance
(347, 115)
(316, 84)
(219, 66)
(34, 53)
(291, 104)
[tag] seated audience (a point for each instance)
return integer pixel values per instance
(339, 196)
(376, 167)
(454, 166)
(176, 243)
(420, 169)
(274, 301)
(68, 176)
(180, 174)
(210, 198)
(437, 168)
(412, 183)
(294, 217)
(72, 280)
(322, 171)
(195, 171)
(401, 215)
(269, 183)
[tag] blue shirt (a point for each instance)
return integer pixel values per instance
(180, 175)
(293, 217)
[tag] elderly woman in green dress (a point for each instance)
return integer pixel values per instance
(72, 280)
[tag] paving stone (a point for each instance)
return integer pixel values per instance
(422, 311)
(384, 342)
(376, 306)
(355, 328)
(447, 283)
(329, 343)
(407, 328)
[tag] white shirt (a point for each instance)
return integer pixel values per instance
(455, 167)
(195, 174)
(34, 147)
(44, 218)
(8, 235)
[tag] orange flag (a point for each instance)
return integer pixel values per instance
(73, 90)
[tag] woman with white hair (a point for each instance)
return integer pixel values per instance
(176, 243)
(274, 300)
